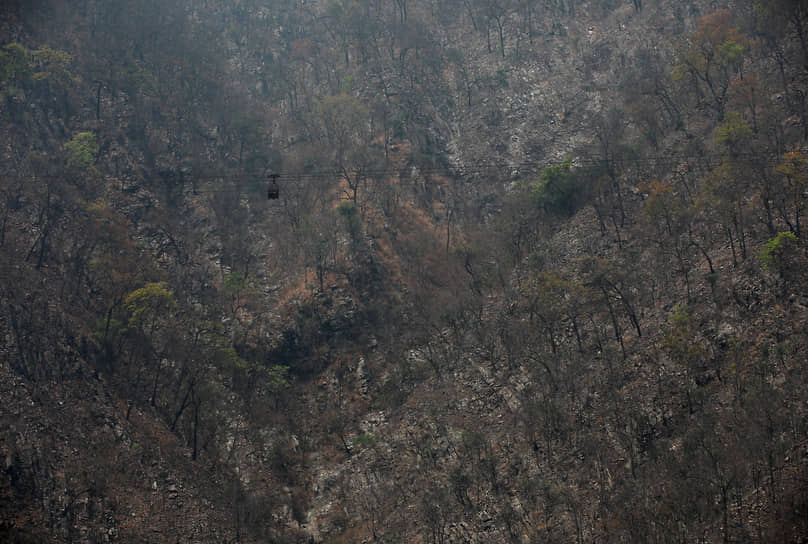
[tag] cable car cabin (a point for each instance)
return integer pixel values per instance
(273, 191)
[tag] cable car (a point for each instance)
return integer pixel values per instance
(273, 191)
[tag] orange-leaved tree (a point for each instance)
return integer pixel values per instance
(710, 59)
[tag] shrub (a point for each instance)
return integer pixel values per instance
(775, 252)
(81, 151)
(559, 190)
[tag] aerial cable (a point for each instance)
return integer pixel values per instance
(691, 162)
(467, 170)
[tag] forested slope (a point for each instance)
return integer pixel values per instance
(536, 272)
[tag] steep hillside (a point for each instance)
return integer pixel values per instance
(536, 272)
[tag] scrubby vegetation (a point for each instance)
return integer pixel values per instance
(536, 272)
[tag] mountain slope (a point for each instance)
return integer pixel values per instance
(536, 272)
